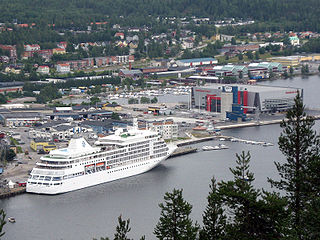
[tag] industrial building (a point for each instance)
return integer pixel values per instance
(18, 119)
(228, 70)
(193, 62)
(242, 99)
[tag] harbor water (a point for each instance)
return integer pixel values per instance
(92, 212)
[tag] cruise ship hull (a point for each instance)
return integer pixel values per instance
(96, 178)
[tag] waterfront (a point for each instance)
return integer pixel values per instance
(93, 212)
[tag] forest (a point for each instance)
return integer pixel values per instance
(294, 14)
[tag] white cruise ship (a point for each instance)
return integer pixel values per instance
(124, 154)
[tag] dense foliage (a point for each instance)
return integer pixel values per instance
(78, 13)
(299, 174)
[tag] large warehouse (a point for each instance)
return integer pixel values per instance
(222, 98)
(194, 62)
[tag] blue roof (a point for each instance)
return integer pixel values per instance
(197, 60)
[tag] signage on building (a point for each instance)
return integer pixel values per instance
(228, 89)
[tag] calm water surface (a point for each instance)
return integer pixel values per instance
(93, 212)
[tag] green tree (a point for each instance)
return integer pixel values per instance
(249, 55)
(122, 229)
(262, 50)
(233, 41)
(144, 100)
(115, 116)
(154, 100)
(2, 222)
(319, 68)
(3, 99)
(10, 155)
(240, 75)
(94, 100)
(253, 214)
(291, 70)
(240, 56)
(174, 222)
(256, 55)
(214, 219)
(271, 74)
(133, 101)
(300, 144)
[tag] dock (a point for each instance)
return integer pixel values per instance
(10, 192)
(182, 151)
(194, 140)
(255, 123)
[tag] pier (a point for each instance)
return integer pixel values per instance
(10, 192)
(194, 140)
(182, 151)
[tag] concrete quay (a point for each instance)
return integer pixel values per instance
(182, 151)
(10, 192)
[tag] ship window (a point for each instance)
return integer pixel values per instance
(47, 178)
(41, 177)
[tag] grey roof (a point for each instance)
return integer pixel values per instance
(62, 127)
(80, 107)
(11, 84)
(22, 115)
(97, 123)
(51, 124)
(197, 60)
(131, 72)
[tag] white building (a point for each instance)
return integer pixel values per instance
(196, 62)
(294, 41)
(32, 47)
(168, 129)
(63, 67)
(43, 70)
(62, 132)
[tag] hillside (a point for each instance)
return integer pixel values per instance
(292, 13)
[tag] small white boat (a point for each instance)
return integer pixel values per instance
(267, 144)
(222, 139)
(222, 146)
(209, 148)
(11, 219)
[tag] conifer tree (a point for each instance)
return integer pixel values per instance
(2, 222)
(253, 214)
(174, 222)
(214, 219)
(122, 229)
(240, 198)
(299, 174)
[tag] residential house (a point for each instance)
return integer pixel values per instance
(63, 68)
(111, 107)
(43, 70)
(59, 51)
(120, 35)
(11, 49)
(62, 45)
(32, 47)
(294, 41)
